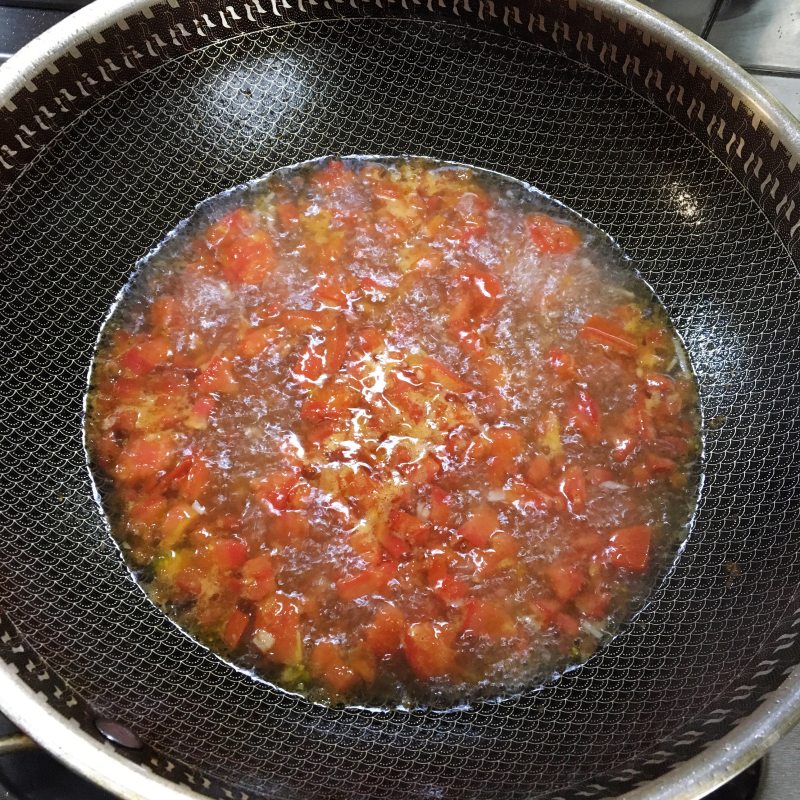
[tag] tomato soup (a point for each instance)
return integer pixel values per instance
(393, 432)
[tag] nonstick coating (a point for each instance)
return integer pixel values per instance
(229, 96)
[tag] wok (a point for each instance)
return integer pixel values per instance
(116, 123)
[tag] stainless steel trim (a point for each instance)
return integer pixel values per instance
(688, 781)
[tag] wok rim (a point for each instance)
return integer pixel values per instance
(692, 779)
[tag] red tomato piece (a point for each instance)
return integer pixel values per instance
(573, 488)
(552, 237)
(369, 582)
(384, 634)
(629, 548)
(480, 526)
(287, 214)
(329, 666)
(561, 363)
(217, 377)
(256, 340)
(538, 470)
(195, 481)
(330, 402)
(487, 618)
(435, 371)
(323, 355)
(566, 624)
(246, 258)
(143, 457)
(229, 554)
(593, 604)
(277, 631)
(164, 312)
(440, 506)
(146, 356)
(275, 490)
(566, 579)
(258, 576)
(147, 510)
(609, 334)
(235, 628)
(585, 416)
(429, 649)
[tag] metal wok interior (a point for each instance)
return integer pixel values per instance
(119, 122)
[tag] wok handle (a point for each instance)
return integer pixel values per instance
(15, 742)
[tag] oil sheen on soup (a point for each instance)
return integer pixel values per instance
(394, 432)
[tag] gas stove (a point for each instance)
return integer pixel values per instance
(761, 35)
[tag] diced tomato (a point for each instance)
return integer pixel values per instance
(561, 362)
(629, 548)
(537, 470)
(305, 321)
(143, 457)
(189, 580)
(329, 666)
(164, 312)
(217, 377)
(566, 624)
(598, 475)
(180, 470)
(177, 521)
(408, 526)
(370, 339)
(146, 356)
(275, 490)
(195, 481)
(480, 525)
(572, 486)
(323, 355)
(277, 629)
(565, 579)
(437, 372)
(362, 662)
(660, 464)
(246, 258)
(290, 527)
(429, 649)
(369, 582)
(257, 340)
(330, 402)
(585, 416)
(258, 575)
(229, 554)
(147, 510)
(502, 553)
(487, 618)
(623, 446)
(235, 628)
(384, 634)
(440, 506)
(287, 214)
(505, 444)
(593, 604)
(551, 237)
(606, 332)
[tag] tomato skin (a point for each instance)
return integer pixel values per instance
(609, 334)
(429, 651)
(629, 548)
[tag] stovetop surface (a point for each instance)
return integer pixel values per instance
(761, 35)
